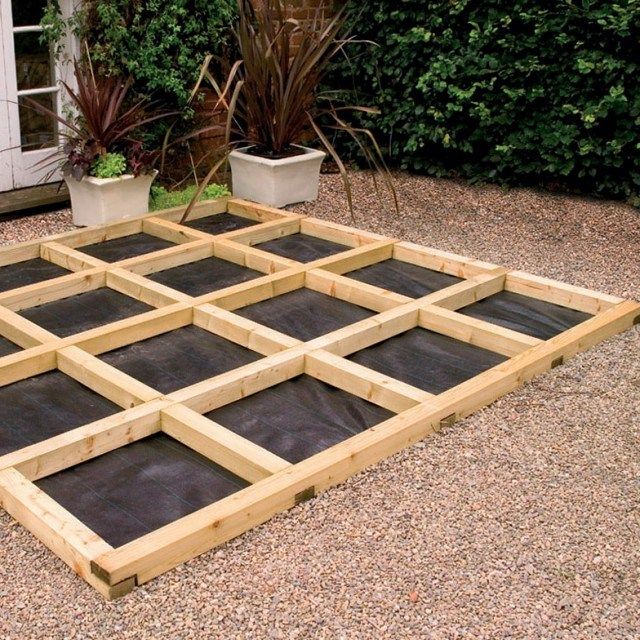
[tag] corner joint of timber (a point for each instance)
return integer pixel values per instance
(115, 590)
(304, 495)
(122, 588)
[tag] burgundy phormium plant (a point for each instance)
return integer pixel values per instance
(105, 122)
(271, 99)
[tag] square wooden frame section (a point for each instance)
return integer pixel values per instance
(275, 485)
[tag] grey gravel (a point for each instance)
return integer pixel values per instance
(522, 521)
(26, 227)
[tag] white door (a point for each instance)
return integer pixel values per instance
(28, 68)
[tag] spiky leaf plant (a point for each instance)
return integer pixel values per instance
(271, 98)
(104, 119)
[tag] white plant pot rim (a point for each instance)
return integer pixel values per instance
(122, 178)
(308, 154)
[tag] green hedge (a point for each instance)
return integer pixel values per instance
(162, 43)
(522, 92)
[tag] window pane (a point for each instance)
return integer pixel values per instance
(38, 131)
(34, 62)
(27, 12)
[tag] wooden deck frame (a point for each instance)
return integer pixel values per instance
(275, 485)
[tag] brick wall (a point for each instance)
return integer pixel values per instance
(306, 9)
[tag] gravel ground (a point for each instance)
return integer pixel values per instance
(522, 521)
(28, 227)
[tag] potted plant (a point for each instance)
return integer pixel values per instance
(107, 170)
(271, 102)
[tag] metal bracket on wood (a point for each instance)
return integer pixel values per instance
(305, 494)
(121, 589)
(449, 421)
(100, 573)
(557, 362)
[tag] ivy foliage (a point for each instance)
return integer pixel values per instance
(161, 43)
(520, 92)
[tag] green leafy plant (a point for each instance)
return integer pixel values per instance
(108, 165)
(519, 93)
(271, 98)
(162, 199)
(159, 43)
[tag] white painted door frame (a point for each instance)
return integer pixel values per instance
(21, 163)
(6, 168)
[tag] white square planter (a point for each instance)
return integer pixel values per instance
(276, 182)
(103, 200)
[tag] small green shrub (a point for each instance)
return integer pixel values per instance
(522, 92)
(163, 199)
(108, 165)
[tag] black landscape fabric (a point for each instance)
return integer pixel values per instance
(44, 406)
(304, 314)
(21, 274)
(427, 360)
(204, 276)
(536, 318)
(126, 247)
(299, 418)
(404, 278)
(179, 358)
(302, 247)
(7, 347)
(84, 311)
(136, 489)
(220, 223)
